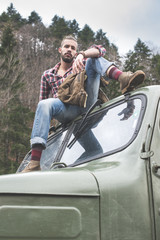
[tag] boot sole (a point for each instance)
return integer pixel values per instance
(28, 169)
(136, 80)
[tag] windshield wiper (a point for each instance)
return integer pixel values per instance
(82, 124)
(63, 146)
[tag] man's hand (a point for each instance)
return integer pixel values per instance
(78, 65)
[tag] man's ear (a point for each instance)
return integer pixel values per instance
(59, 49)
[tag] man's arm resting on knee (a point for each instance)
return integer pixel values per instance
(93, 52)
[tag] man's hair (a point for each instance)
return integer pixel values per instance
(69, 37)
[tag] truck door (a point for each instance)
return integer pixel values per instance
(155, 173)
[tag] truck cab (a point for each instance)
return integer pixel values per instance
(99, 178)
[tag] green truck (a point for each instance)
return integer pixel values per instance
(100, 177)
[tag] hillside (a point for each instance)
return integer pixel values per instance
(27, 48)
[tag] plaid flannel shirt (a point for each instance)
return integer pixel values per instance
(50, 80)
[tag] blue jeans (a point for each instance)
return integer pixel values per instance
(55, 108)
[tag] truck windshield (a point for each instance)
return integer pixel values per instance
(105, 132)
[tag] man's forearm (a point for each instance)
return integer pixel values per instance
(91, 53)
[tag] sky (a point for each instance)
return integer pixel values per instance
(123, 21)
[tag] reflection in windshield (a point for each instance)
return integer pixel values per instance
(49, 154)
(101, 136)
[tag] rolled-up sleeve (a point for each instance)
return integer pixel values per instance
(102, 50)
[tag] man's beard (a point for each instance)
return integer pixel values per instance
(66, 59)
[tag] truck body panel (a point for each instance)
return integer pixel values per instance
(105, 187)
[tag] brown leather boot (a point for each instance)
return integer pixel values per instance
(32, 166)
(128, 80)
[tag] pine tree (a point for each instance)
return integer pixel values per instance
(15, 16)
(59, 27)
(34, 18)
(12, 17)
(9, 64)
(86, 35)
(100, 38)
(4, 18)
(139, 58)
(14, 132)
(74, 27)
(155, 66)
(8, 41)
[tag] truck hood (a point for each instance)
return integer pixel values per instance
(58, 182)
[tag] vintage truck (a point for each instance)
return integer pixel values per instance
(100, 177)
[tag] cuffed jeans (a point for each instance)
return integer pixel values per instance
(55, 108)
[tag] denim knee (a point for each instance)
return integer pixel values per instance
(43, 104)
(45, 107)
(99, 65)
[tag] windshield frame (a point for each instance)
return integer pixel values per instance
(143, 99)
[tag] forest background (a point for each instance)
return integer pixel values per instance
(27, 48)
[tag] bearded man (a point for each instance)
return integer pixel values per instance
(72, 62)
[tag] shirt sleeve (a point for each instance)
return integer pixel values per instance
(102, 50)
(44, 88)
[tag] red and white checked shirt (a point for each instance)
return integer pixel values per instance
(50, 80)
